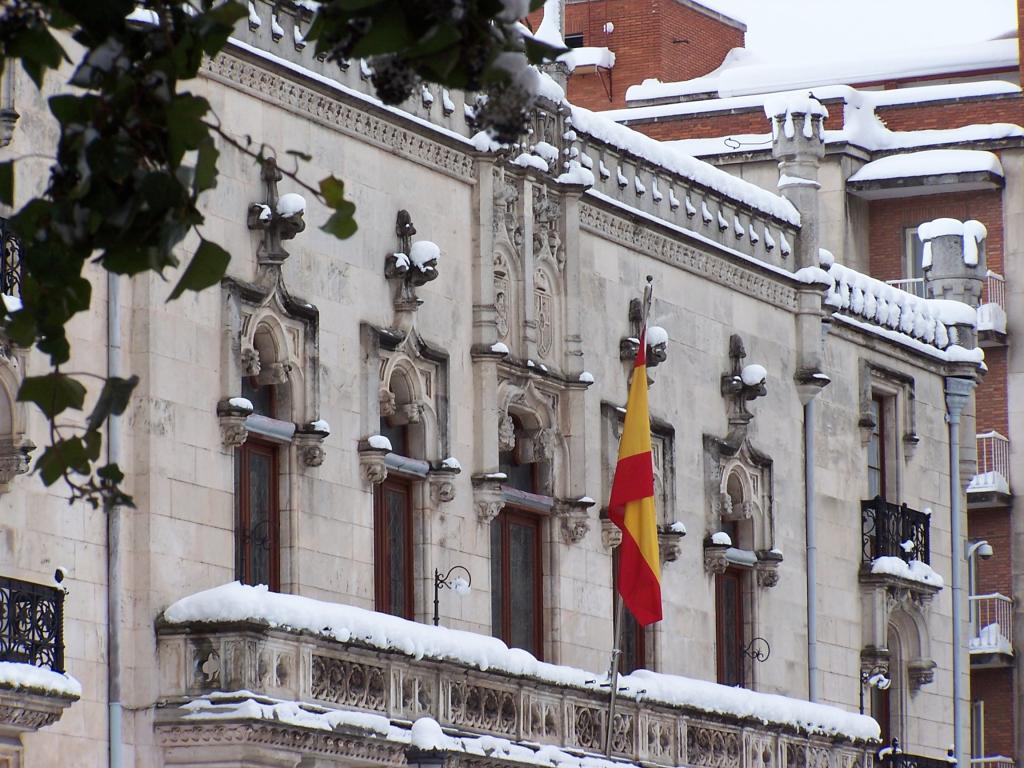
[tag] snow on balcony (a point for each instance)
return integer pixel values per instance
(992, 313)
(929, 162)
(991, 621)
(993, 464)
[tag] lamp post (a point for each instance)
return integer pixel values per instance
(980, 548)
(876, 677)
(460, 586)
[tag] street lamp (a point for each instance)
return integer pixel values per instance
(972, 549)
(876, 677)
(459, 585)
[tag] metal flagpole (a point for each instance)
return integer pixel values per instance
(613, 670)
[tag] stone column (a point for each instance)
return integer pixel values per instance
(798, 143)
(954, 266)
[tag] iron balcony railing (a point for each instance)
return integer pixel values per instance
(31, 624)
(995, 289)
(894, 757)
(991, 620)
(993, 454)
(894, 530)
(10, 261)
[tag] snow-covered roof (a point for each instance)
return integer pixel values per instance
(931, 162)
(26, 677)
(345, 623)
(743, 72)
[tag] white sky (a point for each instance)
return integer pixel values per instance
(790, 29)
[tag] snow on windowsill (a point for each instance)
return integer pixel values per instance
(26, 677)
(915, 570)
(345, 623)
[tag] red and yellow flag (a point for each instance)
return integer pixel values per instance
(631, 506)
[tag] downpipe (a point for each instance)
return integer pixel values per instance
(113, 514)
(812, 554)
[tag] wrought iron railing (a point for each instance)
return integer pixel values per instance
(894, 757)
(991, 620)
(10, 261)
(31, 624)
(894, 530)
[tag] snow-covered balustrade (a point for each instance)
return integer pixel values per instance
(993, 463)
(640, 174)
(936, 323)
(991, 621)
(294, 649)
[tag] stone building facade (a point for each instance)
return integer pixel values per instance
(349, 421)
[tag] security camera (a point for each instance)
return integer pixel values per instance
(985, 551)
(62, 572)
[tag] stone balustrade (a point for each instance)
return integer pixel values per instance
(200, 659)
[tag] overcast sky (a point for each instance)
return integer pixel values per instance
(842, 28)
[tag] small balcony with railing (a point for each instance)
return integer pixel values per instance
(896, 544)
(10, 268)
(992, 312)
(34, 691)
(991, 630)
(996, 761)
(912, 285)
(893, 756)
(991, 486)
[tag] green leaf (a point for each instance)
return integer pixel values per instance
(342, 223)
(185, 127)
(206, 268)
(387, 34)
(53, 393)
(113, 399)
(7, 183)
(206, 166)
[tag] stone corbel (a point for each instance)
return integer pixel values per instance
(411, 266)
(767, 568)
(279, 218)
(611, 534)
(232, 413)
(910, 442)
(488, 498)
(15, 459)
(575, 521)
(442, 480)
(309, 440)
(506, 432)
(538, 445)
(657, 353)
(921, 672)
(250, 360)
(371, 459)
(715, 560)
(670, 543)
(386, 400)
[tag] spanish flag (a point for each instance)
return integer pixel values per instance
(631, 506)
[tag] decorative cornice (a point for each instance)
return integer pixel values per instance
(334, 112)
(671, 251)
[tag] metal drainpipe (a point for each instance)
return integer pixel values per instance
(812, 554)
(958, 392)
(114, 585)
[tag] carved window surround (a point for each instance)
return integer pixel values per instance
(878, 379)
(889, 600)
(15, 448)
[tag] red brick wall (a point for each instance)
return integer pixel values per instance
(709, 124)
(995, 688)
(643, 44)
(915, 117)
(991, 396)
(888, 219)
(993, 525)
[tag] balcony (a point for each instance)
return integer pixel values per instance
(913, 285)
(33, 689)
(991, 624)
(991, 486)
(992, 312)
(998, 761)
(894, 757)
(304, 675)
(896, 545)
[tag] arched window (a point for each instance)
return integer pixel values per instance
(517, 595)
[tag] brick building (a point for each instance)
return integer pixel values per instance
(911, 138)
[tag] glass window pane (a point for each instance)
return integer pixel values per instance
(260, 518)
(397, 500)
(261, 396)
(730, 629)
(522, 585)
(497, 592)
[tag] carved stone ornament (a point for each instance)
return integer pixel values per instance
(15, 459)
(250, 361)
(921, 672)
(767, 570)
(386, 399)
(547, 243)
(715, 560)
(371, 460)
(232, 413)
(611, 534)
(506, 224)
(309, 441)
(739, 387)
(506, 433)
(279, 218)
(488, 499)
(442, 481)
(630, 345)
(413, 265)
(575, 520)
(670, 544)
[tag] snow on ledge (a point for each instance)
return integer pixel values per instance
(345, 623)
(986, 482)
(26, 677)
(930, 162)
(915, 570)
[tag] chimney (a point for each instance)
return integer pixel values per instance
(954, 265)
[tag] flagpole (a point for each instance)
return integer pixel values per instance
(613, 670)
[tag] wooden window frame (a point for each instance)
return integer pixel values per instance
(243, 512)
(738, 631)
(639, 633)
(508, 515)
(382, 548)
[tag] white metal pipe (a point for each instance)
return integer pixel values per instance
(114, 570)
(812, 554)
